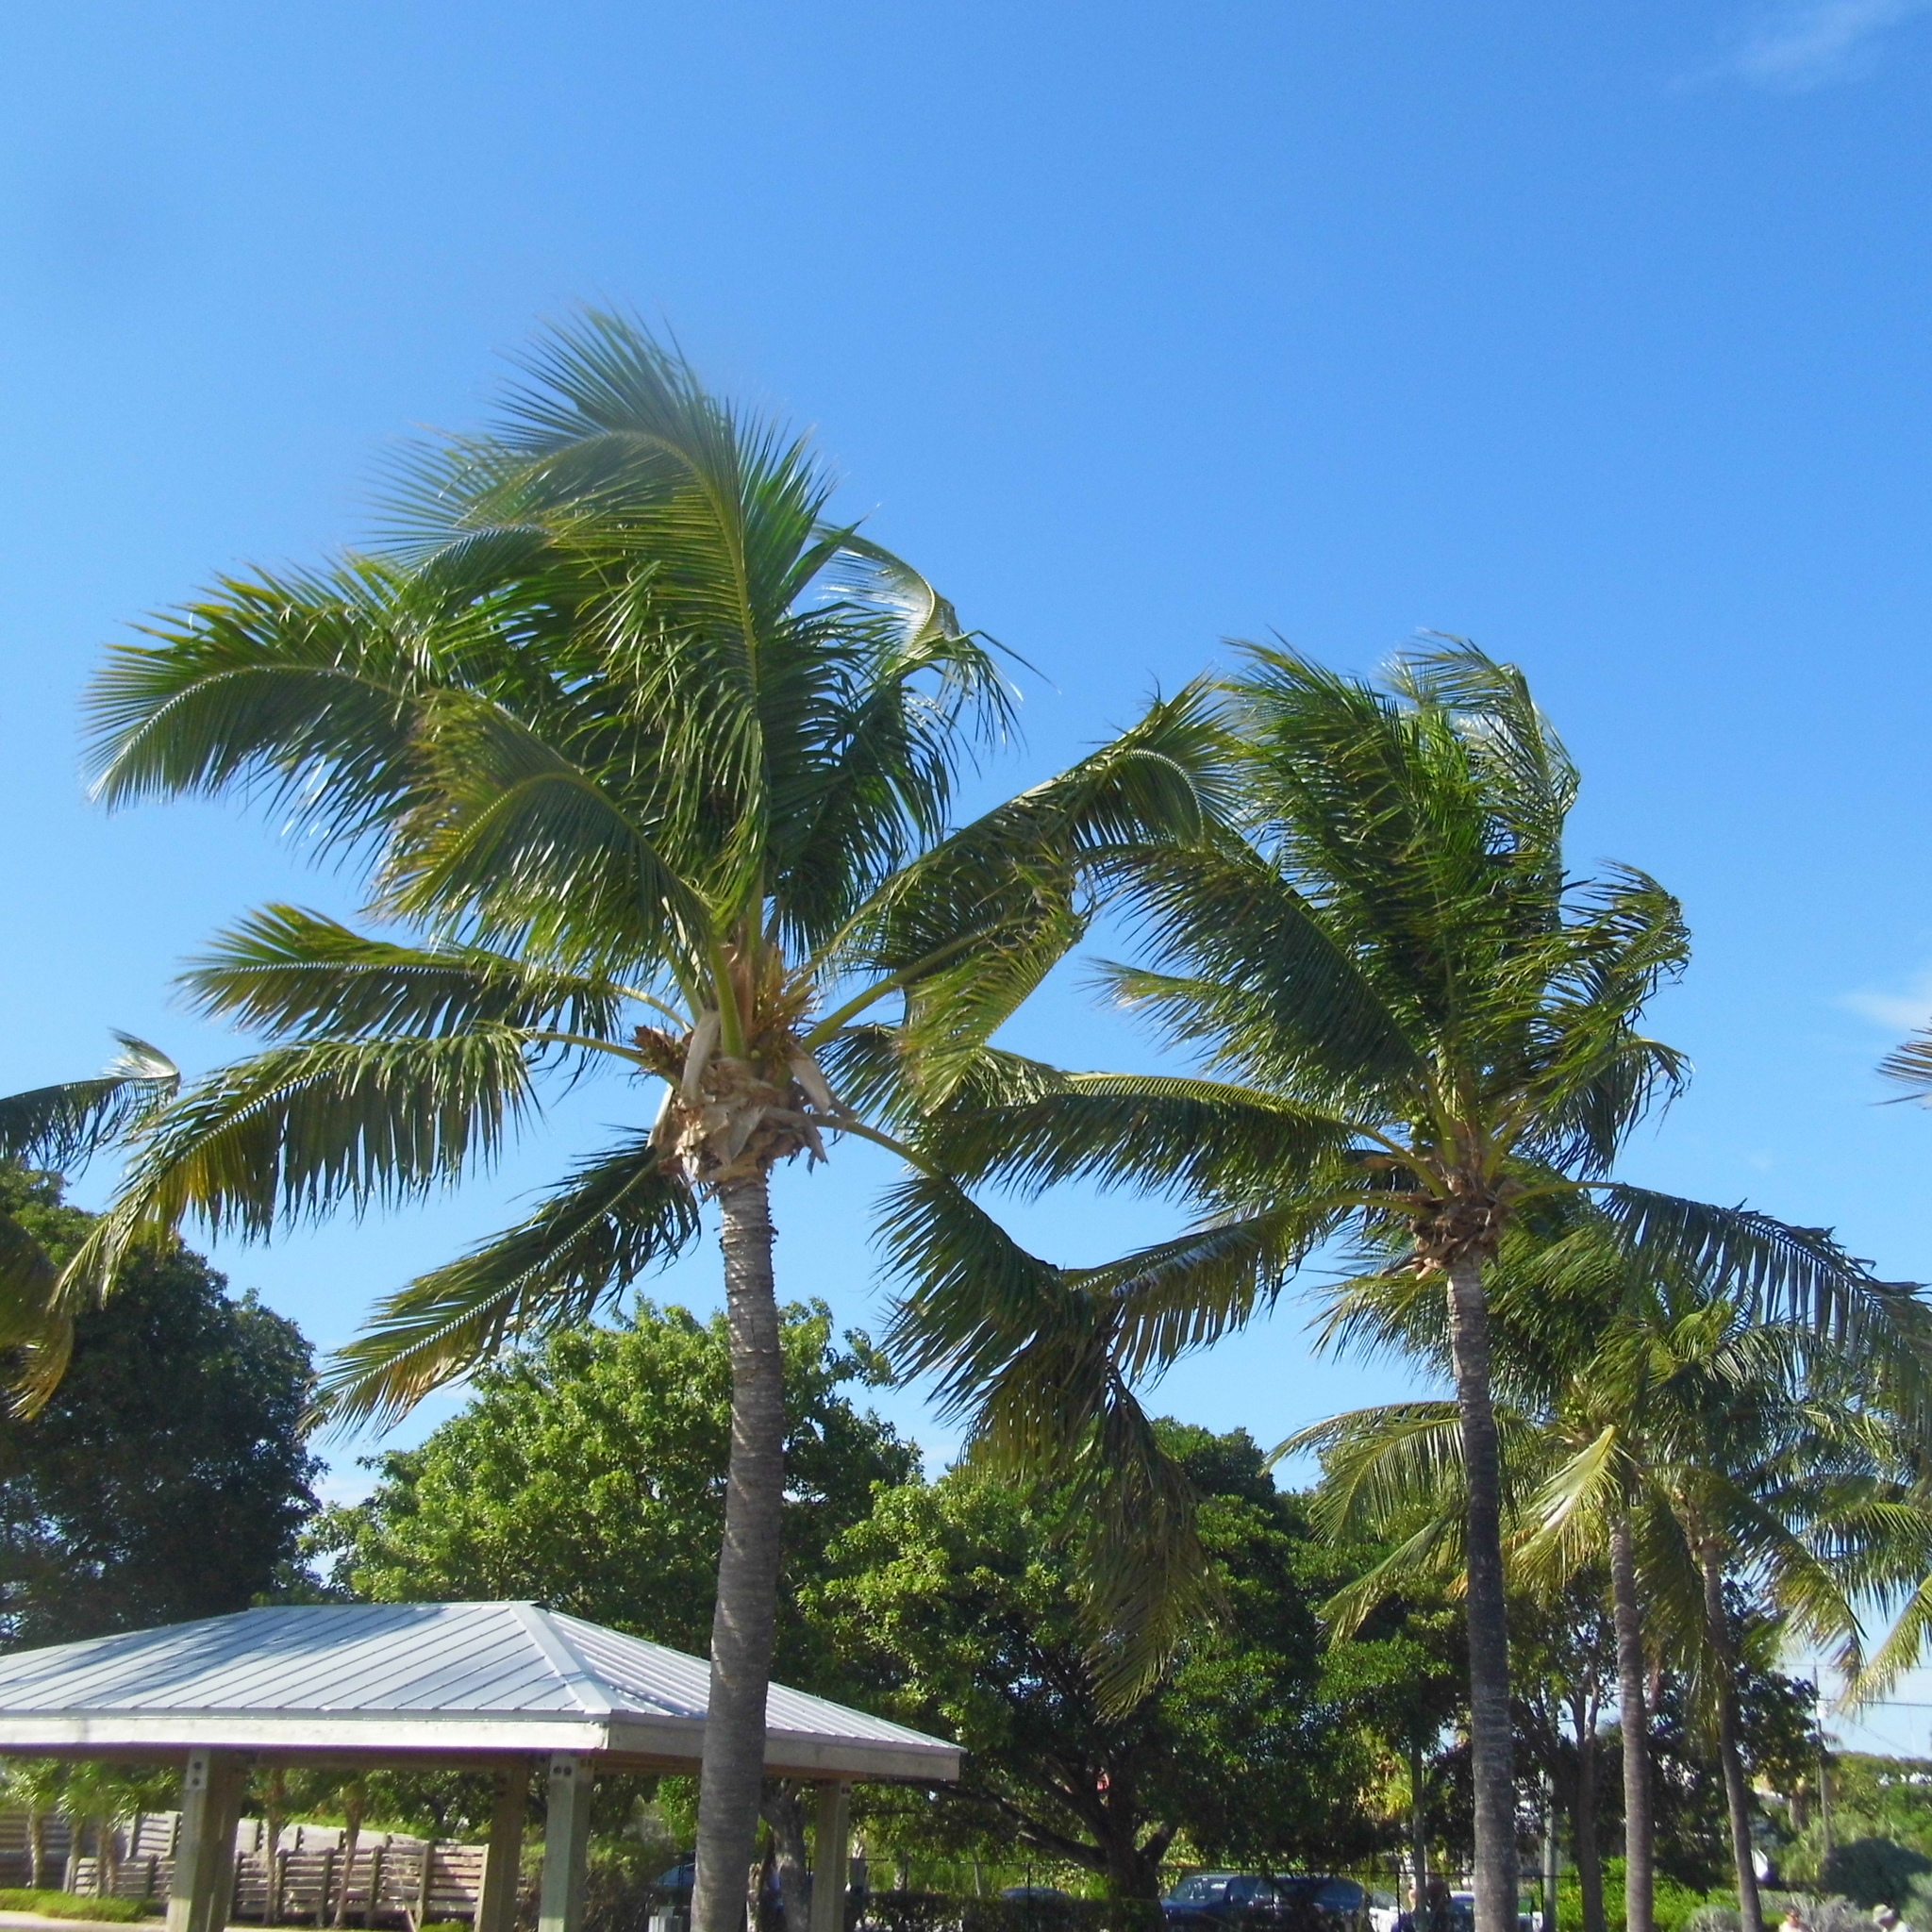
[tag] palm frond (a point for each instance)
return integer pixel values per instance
(617, 1216)
(62, 1126)
(295, 1131)
(297, 973)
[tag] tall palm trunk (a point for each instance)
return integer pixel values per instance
(1583, 1845)
(1632, 1716)
(732, 1778)
(1730, 1751)
(1490, 1752)
(1418, 1827)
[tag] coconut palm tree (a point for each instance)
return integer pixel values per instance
(1653, 1429)
(647, 763)
(1415, 1023)
(62, 1127)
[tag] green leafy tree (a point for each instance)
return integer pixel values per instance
(960, 1606)
(167, 1476)
(651, 760)
(588, 1473)
(1416, 1024)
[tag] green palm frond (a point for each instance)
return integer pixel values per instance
(1781, 1273)
(1157, 1132)
(287, 1134)
(968, 930)
(1022, 1349)
(301, 975)
(617, 1216)
(65, 1126)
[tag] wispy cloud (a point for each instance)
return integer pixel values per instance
(1813, 43)
(1897, 1012)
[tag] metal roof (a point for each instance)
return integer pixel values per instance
(410, 1680)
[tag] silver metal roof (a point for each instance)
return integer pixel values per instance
(410, 1680)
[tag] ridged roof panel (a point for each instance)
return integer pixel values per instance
(418, 1663)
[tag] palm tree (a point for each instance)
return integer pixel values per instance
(62, 1127)
(651, 762)
(1654, 1429)
(1416, 1024)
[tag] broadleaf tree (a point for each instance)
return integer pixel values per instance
(647, 763)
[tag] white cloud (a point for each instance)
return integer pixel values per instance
(1897, 1012)
(1813, 43)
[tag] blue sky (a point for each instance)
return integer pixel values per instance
(1597, 334)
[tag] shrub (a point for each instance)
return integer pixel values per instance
(1713, 1918)
(1873, 1871)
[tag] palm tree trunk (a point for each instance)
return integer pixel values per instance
(1418, 1827)
(1583, 1845)
(1730, 1751)
(1633, 1719)
(1492, 1756)
(732, 1777)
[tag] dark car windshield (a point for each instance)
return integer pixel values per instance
(1204, 1888)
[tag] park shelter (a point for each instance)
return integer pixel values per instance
(506, 1688)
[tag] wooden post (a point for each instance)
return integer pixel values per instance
(830, 1856)
(374, 1895)
(497, 1904)
(423, 1884)
(328, 1881)
(200, 1897)
(566, 1845)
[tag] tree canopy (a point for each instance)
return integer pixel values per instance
(588, 1473)
(957, 1606)
(167, 1476)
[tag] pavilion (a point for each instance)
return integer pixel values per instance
(502, 1687)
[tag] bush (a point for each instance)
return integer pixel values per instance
(1715, 1919)
(1873, 1871)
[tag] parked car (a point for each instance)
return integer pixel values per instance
(1385, 1915)
(1294, 1902)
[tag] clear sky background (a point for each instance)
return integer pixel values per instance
(1598, 334)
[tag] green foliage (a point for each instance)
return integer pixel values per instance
(1878, 1797)
(167, 1477)
(960, 1607)
(589, 1474)
(68, 1905)
(1677, 1905)
(1873, 1871)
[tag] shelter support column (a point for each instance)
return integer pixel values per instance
(566, 1845)
(204, 1882)
(830, 1859)
(496, 1909)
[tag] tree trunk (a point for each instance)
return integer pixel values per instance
(784, 1814)
(1417, 1829)
(1583, 1844)
(733, 1772)
(1490, 1752)
(1633, 1718)
(355, 1802)
(1730, 1750)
